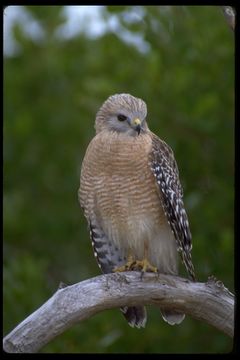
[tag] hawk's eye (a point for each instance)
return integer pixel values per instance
(121, 117)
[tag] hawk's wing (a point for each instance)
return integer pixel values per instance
(107, 254)
(165, 170)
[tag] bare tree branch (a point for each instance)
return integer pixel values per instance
(229, 14)
(210, 302)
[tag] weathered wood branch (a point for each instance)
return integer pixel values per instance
(210, 302)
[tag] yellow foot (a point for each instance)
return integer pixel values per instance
(145, 266)
(127, 267)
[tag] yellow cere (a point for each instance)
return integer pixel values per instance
(136, 121)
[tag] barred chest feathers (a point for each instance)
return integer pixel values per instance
(121, 190)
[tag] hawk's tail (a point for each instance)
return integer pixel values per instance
(135, 315)
(172, 317)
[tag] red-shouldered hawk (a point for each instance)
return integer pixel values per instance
(132, 198)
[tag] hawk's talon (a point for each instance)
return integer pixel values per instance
(130, 264)
(145, 266)
(137, 265)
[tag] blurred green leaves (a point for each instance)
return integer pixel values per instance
(27, 272)
(52, 90)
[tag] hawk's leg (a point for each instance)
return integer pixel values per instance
(130, 264)
(144, 265)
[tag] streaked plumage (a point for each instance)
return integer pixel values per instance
(131, 196)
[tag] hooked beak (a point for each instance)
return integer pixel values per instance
(138, 129)
(136, 124)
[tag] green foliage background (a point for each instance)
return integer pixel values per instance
(52, 90)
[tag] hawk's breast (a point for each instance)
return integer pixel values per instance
(117, 186)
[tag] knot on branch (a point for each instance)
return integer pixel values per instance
(62, 285)
(218, 284)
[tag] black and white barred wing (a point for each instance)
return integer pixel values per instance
(165, 170)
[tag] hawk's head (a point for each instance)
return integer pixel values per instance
(122, 113)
